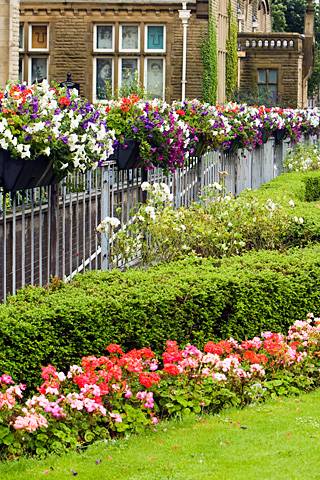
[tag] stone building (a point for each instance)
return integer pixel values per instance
(275, 66)
(105, 45)
(110, 43)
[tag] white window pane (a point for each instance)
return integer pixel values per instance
(38, 69)
(129, 72)
(154, 84)
(130, 37)
(273, 76)
(155, 37)
(103, 78)
(262, 76)
(104, 37)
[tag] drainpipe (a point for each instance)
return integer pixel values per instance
(184, 16)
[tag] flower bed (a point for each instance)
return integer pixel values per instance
(125, 392)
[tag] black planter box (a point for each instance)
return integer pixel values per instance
(279, 135)
(127, 155)
(20, 174)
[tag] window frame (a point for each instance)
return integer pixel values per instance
(95, 38)
(94, 78)
(30, 66)
(23, 48)
(129, 50)
(267, 84)
(163, 74)
(152, 50)
(30, 49)
(21, 58)
(120, 68)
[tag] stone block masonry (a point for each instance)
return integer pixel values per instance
(9, 40)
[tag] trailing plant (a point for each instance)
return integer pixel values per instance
(231, 55)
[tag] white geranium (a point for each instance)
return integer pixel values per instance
(108, 222)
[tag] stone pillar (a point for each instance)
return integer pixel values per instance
(9, 41)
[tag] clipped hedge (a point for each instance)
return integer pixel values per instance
(192, 300)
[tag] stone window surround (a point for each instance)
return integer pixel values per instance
(27, 53)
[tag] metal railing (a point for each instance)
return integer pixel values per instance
(51, 231)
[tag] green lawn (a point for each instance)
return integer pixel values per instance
(278, 440)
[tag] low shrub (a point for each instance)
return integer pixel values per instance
(125, 392)
(192, 300)
(273, 217)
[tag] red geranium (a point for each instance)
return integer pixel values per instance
(149, 379)
(171, 369)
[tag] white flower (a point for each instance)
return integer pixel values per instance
(61, 376)
(217, 186)
(270, 205)
(291, 203)
(4, 144)
(145, 186)
(151, 212)
(46, 151)
(107, 222)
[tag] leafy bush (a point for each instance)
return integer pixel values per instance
(192, 300)
(303, 158)
(273, 217)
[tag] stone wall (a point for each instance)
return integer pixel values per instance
(9, 40)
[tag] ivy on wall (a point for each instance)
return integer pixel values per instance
(210, 62)
(232, 56)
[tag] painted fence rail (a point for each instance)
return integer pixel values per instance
(51, 231)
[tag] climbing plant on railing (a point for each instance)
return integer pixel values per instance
(232, 56)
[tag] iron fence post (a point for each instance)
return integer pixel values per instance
(105, 212)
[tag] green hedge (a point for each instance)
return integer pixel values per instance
(304, 189)
(192, 300)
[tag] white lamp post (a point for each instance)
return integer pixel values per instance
(184, 15)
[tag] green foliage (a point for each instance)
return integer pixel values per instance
(288, 15)
(312, 189)
(286, 430)
(210, 62)
(303, 158)
(192, 300)
(232, 55)
(220, 225)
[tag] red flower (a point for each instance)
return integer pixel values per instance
(171, 369)
(107, 109)
(253, 357)
(218, 348)
(181, 112)
(114, 348)
(149, 379)
(64, 101)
